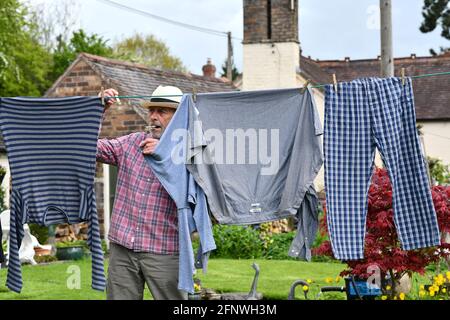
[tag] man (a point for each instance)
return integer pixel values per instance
(144, 225)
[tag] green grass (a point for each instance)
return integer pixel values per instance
(275, 279)
(49, 282)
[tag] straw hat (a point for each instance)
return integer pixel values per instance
(166, 96)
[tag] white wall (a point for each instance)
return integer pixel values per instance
(437, 139)
(270, 65)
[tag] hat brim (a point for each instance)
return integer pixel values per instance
(149, 104)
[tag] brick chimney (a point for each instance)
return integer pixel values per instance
(271, 44)
(270, 21)
(209, 70)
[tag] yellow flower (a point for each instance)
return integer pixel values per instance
(395, 298)
(328, 280)
(402, 296)
(448, 275)
(383, 297)
(305, 288)
(388, 287)
(422, 287)
(338, 279)
(422, 293)
(439, 281)
(197, 287)
(444, 290)
(432, 293)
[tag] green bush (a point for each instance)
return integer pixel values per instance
(246, 242)
(104, 246)
(323, 258)
(440, 172)
(238, 242)
(278, 248)
(80, 243)
(68, 244)
(45, 259)
(40, 232)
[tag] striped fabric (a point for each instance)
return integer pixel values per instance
(51, 146)
(361, 115)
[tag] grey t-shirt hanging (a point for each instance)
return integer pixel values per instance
(255, 153)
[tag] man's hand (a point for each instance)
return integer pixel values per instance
(148, 146)
(109, 93)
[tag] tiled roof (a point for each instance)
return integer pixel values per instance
(431, 94)
(134, 79)
(137, 79)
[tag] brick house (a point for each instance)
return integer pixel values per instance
(431, 94)
(85, 77)
(271, 40)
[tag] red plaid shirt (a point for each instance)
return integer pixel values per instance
(144, 216)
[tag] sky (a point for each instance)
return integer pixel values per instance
(328, 29)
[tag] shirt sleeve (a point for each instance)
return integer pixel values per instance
(110, 151)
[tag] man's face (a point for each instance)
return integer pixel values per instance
(160, 118)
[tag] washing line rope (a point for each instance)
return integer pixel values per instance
(316, 86)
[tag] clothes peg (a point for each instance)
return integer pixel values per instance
(305, 86)
(103, 96)
(403, 76)
(194, 94)
(335, 83)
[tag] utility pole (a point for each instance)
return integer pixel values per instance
(387, 52)
(229, 58)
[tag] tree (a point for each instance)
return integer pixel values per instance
(436, 12)
(147, 50)
(53, 19)
(439, 171)
(66, 53)
(24, 62)
(234, 71)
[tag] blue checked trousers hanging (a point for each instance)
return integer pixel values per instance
(363, 115)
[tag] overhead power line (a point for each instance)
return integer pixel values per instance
(156, 17)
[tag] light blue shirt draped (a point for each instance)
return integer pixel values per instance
(169, 164)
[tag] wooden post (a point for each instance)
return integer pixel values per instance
(387, 58)
(229, 58)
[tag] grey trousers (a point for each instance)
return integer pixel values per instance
(129, 271)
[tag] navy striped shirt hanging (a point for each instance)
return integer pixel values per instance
(51, 146)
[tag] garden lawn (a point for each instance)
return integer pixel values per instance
(49, 282)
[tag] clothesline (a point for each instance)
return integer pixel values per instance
(316, 86)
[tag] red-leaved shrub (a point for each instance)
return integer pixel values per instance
(382, 246)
